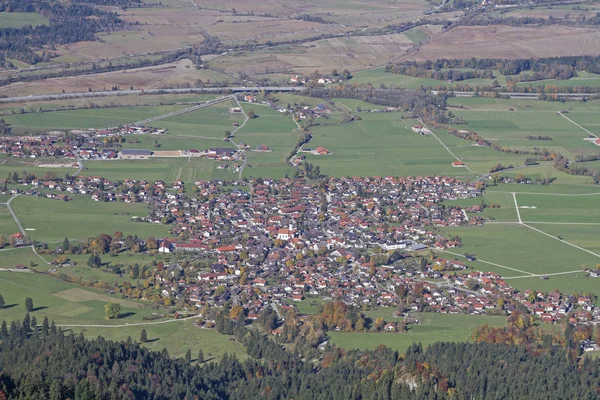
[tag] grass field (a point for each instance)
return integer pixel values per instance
(81, 218)
(434, 328)
(18, 19)
(68, 304)
(83, 119)
(7, 224)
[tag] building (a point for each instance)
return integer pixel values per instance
(134, 154)
(165, 247)
(320, 151)
(458, 164)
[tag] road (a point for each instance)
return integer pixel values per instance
(62, 96)
(237, 89)
(14, 215)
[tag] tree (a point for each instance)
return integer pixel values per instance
(66, 244)
(251, 114)
(188, 356)
(28, 304)
(200, 357)
(143, 336)
(2, 302)
(112, 310)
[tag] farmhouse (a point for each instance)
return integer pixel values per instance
(320, 151)
(134, 154)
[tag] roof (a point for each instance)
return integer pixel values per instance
(136, 152)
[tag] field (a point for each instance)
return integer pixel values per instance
(434, 328)
(509, 122)
(81, 218)
(154, 77)
(84, 119)
(351, 53)
(18, 19)
(383, 143)
(7, 224)
(68, 304)
(500, 41)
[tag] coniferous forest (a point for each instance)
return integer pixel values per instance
(50, 364)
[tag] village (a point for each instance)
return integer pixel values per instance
(262, 243)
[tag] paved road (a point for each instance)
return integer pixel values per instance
(14, 215)
(62, 96)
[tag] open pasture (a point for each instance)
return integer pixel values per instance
(85, 119)
(48, 294)
(509, 122)
(518, 251)
(501, 41)
(152, 77)
(379, 144)
(20, 19)
(434, 328)
(11, 165)
(7, 224)
(81, 218)
(567, 209)
(167, 169)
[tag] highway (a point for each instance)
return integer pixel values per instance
(62, 96)
(237, 89)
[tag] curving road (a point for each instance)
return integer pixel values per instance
(13, 213)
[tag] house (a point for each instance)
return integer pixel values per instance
(390, 327)
(133, 154)
(165, 246)
(19, 238)
(320, 151)
(458, 164)
(262, 147)
(250, 98)
(285, 234)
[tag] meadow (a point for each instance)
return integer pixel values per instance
(85, 119)
(68, 304)
(81, 217)
(434, 328)
(19, 19)
(7, 224)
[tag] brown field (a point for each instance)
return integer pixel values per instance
(352, 53)
(501, 41)
(78, 295)
(351, 12)
(155, 77)
(270, 29)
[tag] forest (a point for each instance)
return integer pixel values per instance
(69, 23)
(520, 70)
(44, 362)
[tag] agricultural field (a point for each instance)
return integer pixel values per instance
(35, 166)
(383, 143)
(502, 41)
(434, 328)
(80, 218)
(188, 170)
(152, 77)
(7, 224)
(509, 122)
(106, 101)
(351, 53)
(276, 131)
(84, 119)
(19, 19)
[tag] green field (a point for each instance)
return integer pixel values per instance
(509, 122)
(578, 209)
(19, 19)
(7, 224)
(81, 218)
(67, 304)
(84, 119)
(434, 328)
(384, 144)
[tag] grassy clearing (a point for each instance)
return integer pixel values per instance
(19, 19)
(582, 209)
(434, 328)
(176, 337)
(80, 218)
(48, 300)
